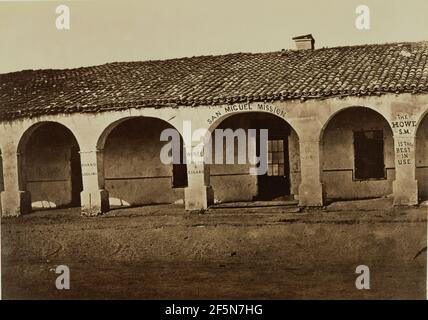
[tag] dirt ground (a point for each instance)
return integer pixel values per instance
(162, 252)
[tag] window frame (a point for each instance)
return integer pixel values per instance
(280, 153)
(354, 171)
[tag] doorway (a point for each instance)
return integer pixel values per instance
(275, 183)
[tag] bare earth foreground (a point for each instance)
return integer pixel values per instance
(163, 252)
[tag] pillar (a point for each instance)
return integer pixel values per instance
(94, 197)
(15, 200)
(310, 189)
(199, 194)
(405, 185)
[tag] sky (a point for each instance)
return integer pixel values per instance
(134, 30)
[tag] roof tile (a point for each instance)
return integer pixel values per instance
(289, 74)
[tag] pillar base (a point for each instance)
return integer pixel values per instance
(197, 199)
(405, 193)
(15, 203)
(311, 195)
(94, 202)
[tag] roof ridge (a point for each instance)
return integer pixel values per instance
(423, 42)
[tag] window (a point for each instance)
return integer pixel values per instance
(179, 171)
(179, 175)
(369, 158)
(276, 159)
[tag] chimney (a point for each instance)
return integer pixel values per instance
(304, 42)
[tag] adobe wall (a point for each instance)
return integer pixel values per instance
(134, 173)
(47, 166)
(233, 182)
(338, 156)
(422, 158)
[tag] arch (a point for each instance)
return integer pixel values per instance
(106, 132)
(147, 180)
(421, 119)
(23, 139)
(358, 159)
(233, 182)
(110, 127)
(221, 118)
(332, 115)
(422, 157)
(49, 165)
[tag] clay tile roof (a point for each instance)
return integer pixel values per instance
(208, 80)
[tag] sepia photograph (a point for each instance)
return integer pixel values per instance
(214, 150)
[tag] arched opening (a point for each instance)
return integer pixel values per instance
(357, 155)
(49, 166)
(133, 171)
(233, 182)
(422, 158)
